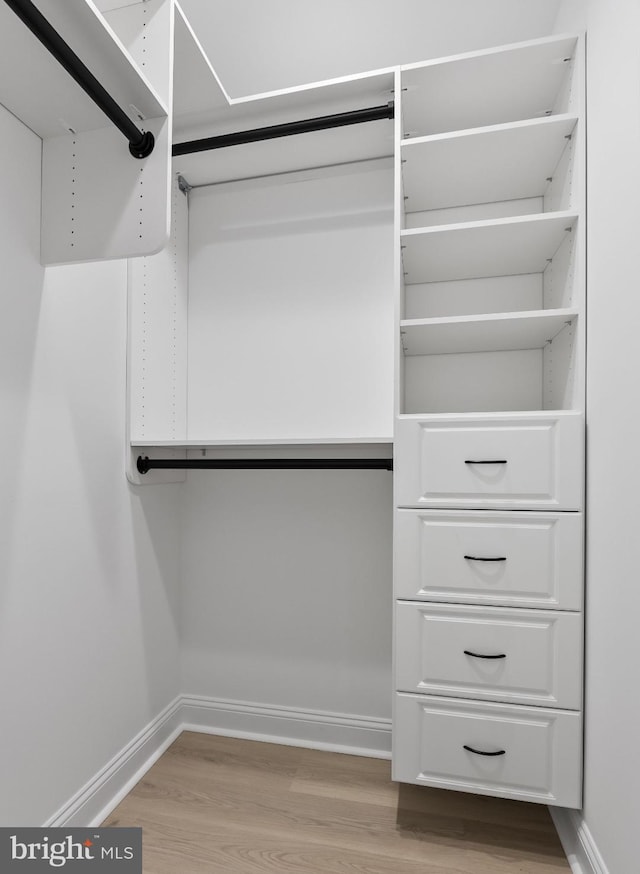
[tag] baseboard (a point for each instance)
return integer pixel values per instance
(577, 841)
(97, 798)
(337, 732)
(313, 729)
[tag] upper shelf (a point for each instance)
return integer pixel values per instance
(196, 87)
(499, 247)
(361, 142)
(494, 332)
(502, 162)
(486, 88)
(38, 91)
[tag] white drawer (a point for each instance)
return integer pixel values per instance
(528, 461)
(540, 751)
(492, 653)
(445, 555)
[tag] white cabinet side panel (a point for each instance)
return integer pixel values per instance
(158, 289)
(99, 202)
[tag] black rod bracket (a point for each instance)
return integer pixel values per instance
(144, 464)
(290, 128)
(141, 143)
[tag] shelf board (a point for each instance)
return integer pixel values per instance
(495, 332)
(38, 91)
(483, 165)
(245, 443)
(196, 87)
(341, 145)
(499, 247)
(483, 88)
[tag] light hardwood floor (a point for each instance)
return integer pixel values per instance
(216, 804)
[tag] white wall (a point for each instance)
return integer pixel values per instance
(262, 45)
(612, 708)
(287, 589)
(291, 308)
(88, 575)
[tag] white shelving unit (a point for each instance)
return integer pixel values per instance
(490, 401)
(98, 201)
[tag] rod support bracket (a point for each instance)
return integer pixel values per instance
(142, 464)
(144, 146)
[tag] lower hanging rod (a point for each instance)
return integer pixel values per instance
(145, 464)
(140, 143)
(290, 128)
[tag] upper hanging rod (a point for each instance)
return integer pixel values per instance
(306, 125)
(145, 464)
(140, 143)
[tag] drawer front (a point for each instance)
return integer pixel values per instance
(542, 756)
(496, 653)
(529, 462)
(444, 556)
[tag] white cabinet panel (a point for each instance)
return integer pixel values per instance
(518, 559)
(530, 753)
(495, 653)
(529, 461)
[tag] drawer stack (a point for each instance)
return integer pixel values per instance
(489, 443)
(488, 624)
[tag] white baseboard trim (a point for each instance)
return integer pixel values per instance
(577, 841)
(97, 798)
(314, 729)
(337, 732)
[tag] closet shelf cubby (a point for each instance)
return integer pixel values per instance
(498, 163)
(488, 87)
(499, 332)
(496, 247)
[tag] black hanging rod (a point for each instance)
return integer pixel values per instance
(290, 128)
(145, 464)
(140, 143)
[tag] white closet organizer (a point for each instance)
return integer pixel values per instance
(265, 329)
(98, 202)
(489, 440)
(243, 340)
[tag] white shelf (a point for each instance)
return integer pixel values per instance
(500, 332)
(342, 145)
(196, 87)
(244, 443)
(502, 162)
(500, 247)
(487, 87)
(36, 89)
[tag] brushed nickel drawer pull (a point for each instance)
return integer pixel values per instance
(485, 461)
(477, 655)
(480, 558)
(482, 753)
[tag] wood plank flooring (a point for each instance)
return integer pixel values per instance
(216, 804)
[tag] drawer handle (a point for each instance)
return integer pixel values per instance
(482, 753)
(480, 558)
(485, 461)
(477, 655)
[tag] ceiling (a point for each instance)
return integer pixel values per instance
(264, 45)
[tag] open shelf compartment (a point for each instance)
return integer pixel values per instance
(528, 80)
(499, 163)
(499, 247)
